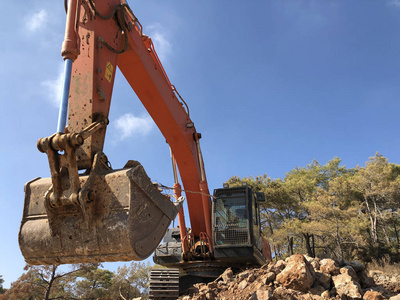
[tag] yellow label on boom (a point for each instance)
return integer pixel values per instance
(109, 71)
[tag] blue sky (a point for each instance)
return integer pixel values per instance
(271, 85)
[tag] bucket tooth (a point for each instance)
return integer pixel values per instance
(129, 217)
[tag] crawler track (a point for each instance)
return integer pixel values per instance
(164, 284)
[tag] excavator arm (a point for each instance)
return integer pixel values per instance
(104, 214)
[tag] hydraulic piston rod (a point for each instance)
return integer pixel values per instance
(62, 115)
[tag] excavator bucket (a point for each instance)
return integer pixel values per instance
(126, 220)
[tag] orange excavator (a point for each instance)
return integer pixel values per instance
(87, 211)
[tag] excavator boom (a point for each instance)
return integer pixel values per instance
(88, 212)
(102, 214)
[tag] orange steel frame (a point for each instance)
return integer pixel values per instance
(92, 79)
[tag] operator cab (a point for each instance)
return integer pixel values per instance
(236, 236)
(236, 225)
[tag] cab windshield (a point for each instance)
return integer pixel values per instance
(231, 209)
(231, 218)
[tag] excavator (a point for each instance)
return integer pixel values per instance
(88, 212)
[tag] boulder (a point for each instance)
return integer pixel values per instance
(269, 277)
(317, 290)
(277, 267)
(242, 285)
(373, 295)
(227, 275)
(210, 296)
(358, 267)
(244, 274)
(397, 297)
(315, 264)
(325, 295)
(329, 266)
(261, 295)
(281, 293)
(297, 275)
(365, 280)
(349, 271)
(323, 279)
(346, 286)
(314, 261)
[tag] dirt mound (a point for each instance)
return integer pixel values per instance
(300, 277)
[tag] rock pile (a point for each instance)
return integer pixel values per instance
(299, 277)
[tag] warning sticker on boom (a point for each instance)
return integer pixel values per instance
(109, 71)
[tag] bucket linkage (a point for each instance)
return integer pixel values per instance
(105, 215)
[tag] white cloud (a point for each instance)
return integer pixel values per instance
(394, 3)
(53, 87)
(159, 37)
(37, 20)
(129, 125)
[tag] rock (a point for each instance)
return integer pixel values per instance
(365, 280)
(332, 292)
(397, 297)
(386, 293)
(251, 278)
(269, 277)
(227, 275)
(202, 288)
(210, 296)
(261, 295)
(373, 295)
(325, 295)
(315, 265)
(281, 293)
(297, 275)
(201, 296)
(358, 267)
(278, 267)
(267, 266)
(349, 271)
(294, 281)
(248, 275)
(317, 290)
(309, 258)
(212, 285)
(244, 274)
(314, 261)
(372, 273)
(309, 297)
(346, 286)
(323, 279)
(329, 266)
(242, 285)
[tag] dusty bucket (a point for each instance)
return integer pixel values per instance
(126, 221)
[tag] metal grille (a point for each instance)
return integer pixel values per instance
(231, 234)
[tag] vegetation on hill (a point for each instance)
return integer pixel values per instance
(333, 211)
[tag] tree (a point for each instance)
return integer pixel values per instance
(92, 282)
(330, 215)
(2, 290)
(377, 188)
(24, 288)
(131, 281)
(44, 282)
